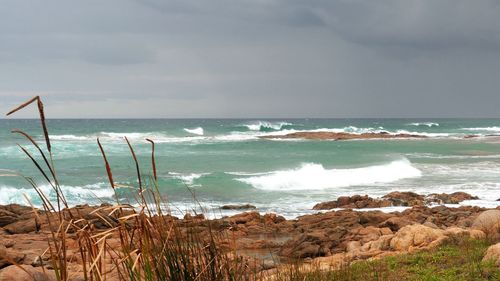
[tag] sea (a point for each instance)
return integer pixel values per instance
(203, 164)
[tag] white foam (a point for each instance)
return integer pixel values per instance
(358, 131)
(440, 156)
(265, 125)
(247, 174)
(188, 178)
(424, 134)
(131, 136)
(427, 124)
(487, 129)
(311, 176)
(74, 194)
(69, 137)
(196, 131)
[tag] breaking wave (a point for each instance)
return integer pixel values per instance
(74, 194)
(426, 124)
(311, 176)
(188, 178)
(196, 131)
(487, 129)
(267, 126)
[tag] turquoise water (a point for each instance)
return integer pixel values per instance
(223, 161)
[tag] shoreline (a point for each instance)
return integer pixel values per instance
(270, 240)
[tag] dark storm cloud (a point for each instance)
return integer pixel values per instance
(250, 58)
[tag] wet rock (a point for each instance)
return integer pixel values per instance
(417, 236)
(238, 207)
(404, 198)
(353, 202)
(453, 198)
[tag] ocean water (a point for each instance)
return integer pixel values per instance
(213, 162)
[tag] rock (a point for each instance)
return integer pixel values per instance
(396, 223)
(27, 273)
(404, 198)
(23, 226)
(244, 218)
(488, 222)
(493, 254)
(306, 245)
(316, 243)
(460, 233)
(477, 234)
(383, 243)
(238, 207)
(370, 233)
(353, 246)
(7, 243)
(268, 264)
(417, 236)
(353, 202)
(273, 219)
(373, 217)
(430, 224)
(341, 136)
(7, 217)
(17, 209)
(453, 198)
(8, 256)
(190, 217)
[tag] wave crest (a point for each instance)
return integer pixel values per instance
(487, 129)
(267, 126)
(75, 195)
(426, 124)
(196, 131)
(314, 176)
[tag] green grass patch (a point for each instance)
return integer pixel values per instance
(450, 262)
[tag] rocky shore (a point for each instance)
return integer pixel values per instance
(329, 238)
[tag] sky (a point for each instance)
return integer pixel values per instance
(251, 58)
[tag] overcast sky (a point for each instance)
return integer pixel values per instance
(252, 58)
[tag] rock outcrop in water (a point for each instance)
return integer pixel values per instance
(238, 207)
(342, 136)
(395, 198)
